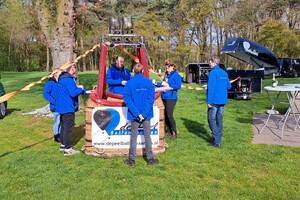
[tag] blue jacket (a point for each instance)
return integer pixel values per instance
(50, 93)
(139, 97)
(217, 86)
(68, 92)
(174, 81)
(114, 78)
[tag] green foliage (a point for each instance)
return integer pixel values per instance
(182, 30)
(278, 37)
(32, 167)
(19, 36)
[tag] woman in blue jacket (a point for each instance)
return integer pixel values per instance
(171, 79)
(50, 94)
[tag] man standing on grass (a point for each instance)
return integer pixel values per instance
(66, 105)
(216, 98)
(139, 96)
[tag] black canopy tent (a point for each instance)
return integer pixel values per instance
(250, 52)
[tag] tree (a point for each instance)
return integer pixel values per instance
(20, 49)
(284, 43)
(57, 22)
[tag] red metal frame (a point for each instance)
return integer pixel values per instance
(100, 95)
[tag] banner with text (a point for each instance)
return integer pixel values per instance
(111, 129)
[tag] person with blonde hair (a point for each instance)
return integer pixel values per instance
(139, 97)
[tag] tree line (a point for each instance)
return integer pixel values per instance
(40, 35)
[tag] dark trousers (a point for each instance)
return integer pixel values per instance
(67, 122)
(169, 111)
(148, 142)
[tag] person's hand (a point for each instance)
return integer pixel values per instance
(124, 82)
(154, 82)
(141, 117)
(88, 91)
(165, 84)
(209, 105)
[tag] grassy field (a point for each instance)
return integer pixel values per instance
(32, 167)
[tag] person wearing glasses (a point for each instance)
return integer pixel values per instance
(171, 79)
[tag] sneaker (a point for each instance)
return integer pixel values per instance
(57, 138)
(70, 152)
(129, 162)
(152, 161)
(62, 147)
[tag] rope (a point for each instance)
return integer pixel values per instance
(65, 66)
(70, 63)
(129, 54)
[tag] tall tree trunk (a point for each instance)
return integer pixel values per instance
(48, 59)
(83, 59)
(59, 29)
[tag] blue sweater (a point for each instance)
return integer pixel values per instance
(50, 93)
(174, 81)
(114, 78)
(217, 86)
(68, 92)
(139, 96)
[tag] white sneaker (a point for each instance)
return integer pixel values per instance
(62, 147)
(70, 152)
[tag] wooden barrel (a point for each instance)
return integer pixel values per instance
(90, 149)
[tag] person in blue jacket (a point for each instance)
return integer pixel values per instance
(117, 76)
(139, 97)
(50, 94)
(216, 98)
(171, 79)
(66, 105)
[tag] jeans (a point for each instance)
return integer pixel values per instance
(133, 138)
(215, 122)
(67, 123)
(56, 126)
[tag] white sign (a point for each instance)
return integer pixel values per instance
(111, 129)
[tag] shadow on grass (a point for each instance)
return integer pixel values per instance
(244, 120)
(9, 111)
(26, 147)
(77, 134)
(196, 129)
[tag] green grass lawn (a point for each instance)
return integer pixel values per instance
(32, 167)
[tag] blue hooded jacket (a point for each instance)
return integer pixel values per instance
(217, 86)
(114, 78)
(174, 81)
(139, 97)
(68, 92)
(50, 93)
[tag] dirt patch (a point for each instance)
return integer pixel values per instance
(271, 133)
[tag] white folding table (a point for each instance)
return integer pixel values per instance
(291, 92)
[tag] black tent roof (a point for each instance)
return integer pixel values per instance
(250, 52)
